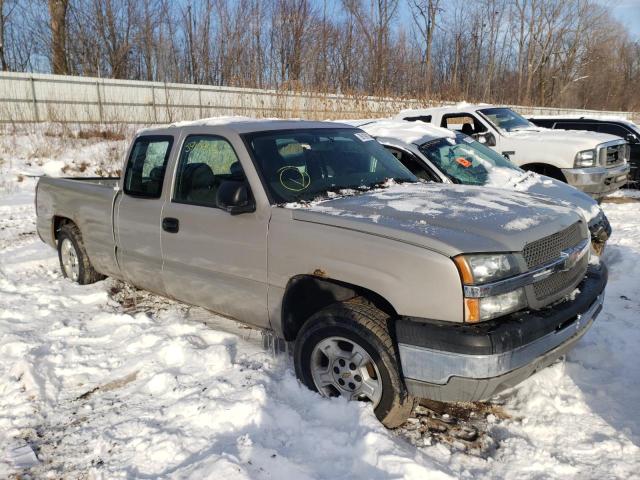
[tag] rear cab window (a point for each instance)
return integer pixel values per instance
(146, 167)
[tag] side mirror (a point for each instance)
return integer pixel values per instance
(234, 197)
(632, 138)
(490, 139)
(487, 139)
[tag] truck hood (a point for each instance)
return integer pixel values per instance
(576, 140)
(449, 219)
(555, 147)
(559, 192)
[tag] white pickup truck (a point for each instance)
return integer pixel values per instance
(595, 163)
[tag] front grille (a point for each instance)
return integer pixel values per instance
(613, 155)
(549, 248)
(561, 281)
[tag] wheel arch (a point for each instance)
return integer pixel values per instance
(306, 294)
(545, 169)
(58, 222)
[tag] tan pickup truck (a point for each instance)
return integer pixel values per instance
(390, 288)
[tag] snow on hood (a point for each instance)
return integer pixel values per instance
(447, 218)
(557, 191)
(582, 139)
(409, 132)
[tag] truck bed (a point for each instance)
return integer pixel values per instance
(87, 202)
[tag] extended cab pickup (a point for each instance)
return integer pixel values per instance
(389, 288)
(595, 163)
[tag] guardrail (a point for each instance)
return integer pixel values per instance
(33, 98)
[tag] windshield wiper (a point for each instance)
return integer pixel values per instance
(307, 197)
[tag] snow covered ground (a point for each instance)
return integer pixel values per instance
(104, 381)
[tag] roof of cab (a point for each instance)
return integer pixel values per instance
(458, 107)
(408, 132)
(247, 125)
(586, 118)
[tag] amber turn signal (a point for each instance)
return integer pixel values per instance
(472, 310)
(464, 269)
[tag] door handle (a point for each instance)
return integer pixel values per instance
(171, 225)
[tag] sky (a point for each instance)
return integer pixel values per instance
(627, 12)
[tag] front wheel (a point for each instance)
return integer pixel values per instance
(346, 350)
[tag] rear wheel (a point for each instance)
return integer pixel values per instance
(74, 262)
(346, 350)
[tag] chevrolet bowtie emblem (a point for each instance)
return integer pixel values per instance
(571, 258)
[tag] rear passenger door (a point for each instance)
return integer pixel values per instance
(138, 209)
(212, 258)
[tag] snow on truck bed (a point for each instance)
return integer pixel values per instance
(103, 381)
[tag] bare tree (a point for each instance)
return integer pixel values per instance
(375, 26)
(425, 13)
(58, 14)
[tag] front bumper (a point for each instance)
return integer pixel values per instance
(597, 181)
(464, 362)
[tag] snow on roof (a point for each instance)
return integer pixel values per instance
(242, 124)
(409, 132)
(470, 107)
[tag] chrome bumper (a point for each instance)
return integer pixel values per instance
(597, 181)
(438, 367)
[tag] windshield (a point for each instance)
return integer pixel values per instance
(466, 161)
(506, 119)
(304, 164)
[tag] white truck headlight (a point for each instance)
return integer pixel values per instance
(586, 158)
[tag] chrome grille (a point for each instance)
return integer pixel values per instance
(549, 248)
(613, 155)
(561, 281)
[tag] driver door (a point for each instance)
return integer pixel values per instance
(212, 258)
(469, 125)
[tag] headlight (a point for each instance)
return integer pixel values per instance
(586, 158)
(486, 308)
(481, 268)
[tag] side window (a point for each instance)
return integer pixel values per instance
(612, 129)
(576, 126)
(414, 165)
(465, 123)
(419, 118)
(205, 162)
(146, 166)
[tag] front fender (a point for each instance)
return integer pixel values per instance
(413, 280)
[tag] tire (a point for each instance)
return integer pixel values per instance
(74, 261)
(365, 326)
